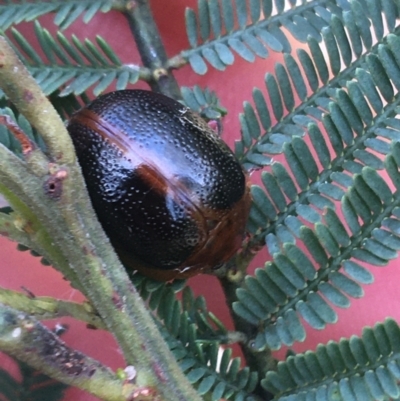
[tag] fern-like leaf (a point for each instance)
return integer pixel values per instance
(66, 11)
(249, 28)
(297, 202)
(343, 122)
(72, 64)
(194, 336)
(204, 102)
(261, 139)
(296, 284)
(366, 368)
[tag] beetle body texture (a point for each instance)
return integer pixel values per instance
(167, 190)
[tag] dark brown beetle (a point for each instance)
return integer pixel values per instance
(167, 190)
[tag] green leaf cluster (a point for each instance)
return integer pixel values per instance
(66, 12)
(366, 368)
(78, 64)
(222, 29)
(333, 145)
(194, 335)
(204, 102)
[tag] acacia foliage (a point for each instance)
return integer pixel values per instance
(325, 213)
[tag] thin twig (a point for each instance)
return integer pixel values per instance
(23, 337)
(45, 308)
(150, 46)
(13, 228)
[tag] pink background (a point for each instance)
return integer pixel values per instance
(233, 87)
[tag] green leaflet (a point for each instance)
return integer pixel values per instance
(72, 66)
(204, 102)
(221, 28)
(356, 366)
(66, 12)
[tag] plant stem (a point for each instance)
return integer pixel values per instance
(28, 340)
(44, 308)
(150, 46)
(65, 210)
(10, 228)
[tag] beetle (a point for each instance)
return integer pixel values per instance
(169, 193)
